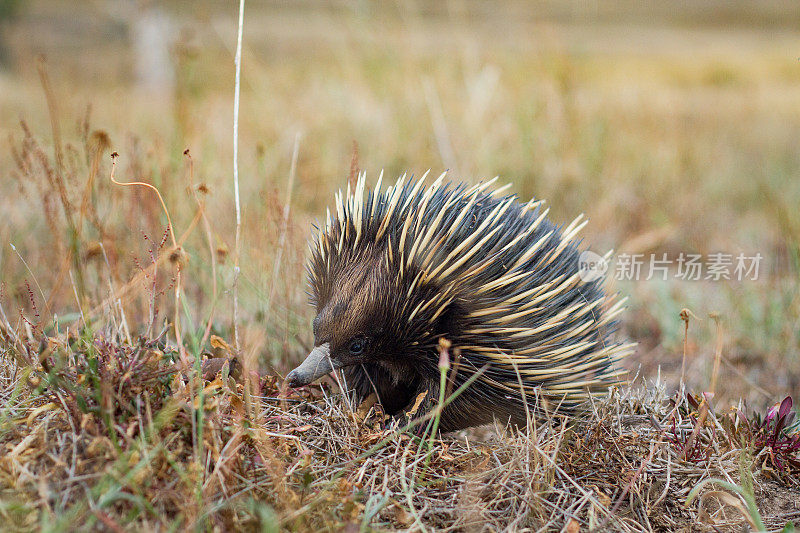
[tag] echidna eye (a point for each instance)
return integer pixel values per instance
(357, 346)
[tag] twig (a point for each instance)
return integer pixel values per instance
(717, 353)
(440, 131)
(284, 223)
(176, 252)
(685, 315)
(236, 92)
(201, 205)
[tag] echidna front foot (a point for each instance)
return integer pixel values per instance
(395, 395)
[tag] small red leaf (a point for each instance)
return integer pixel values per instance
(786, 406)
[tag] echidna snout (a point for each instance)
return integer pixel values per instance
(317, 364)
(393, 272)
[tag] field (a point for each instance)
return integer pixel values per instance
(675, 131)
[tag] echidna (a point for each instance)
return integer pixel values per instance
(395, 271)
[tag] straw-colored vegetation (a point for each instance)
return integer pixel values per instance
(126, 400)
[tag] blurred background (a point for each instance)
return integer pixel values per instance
(674, 128)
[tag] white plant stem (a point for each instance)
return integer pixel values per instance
(237, 85)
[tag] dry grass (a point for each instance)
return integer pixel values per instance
(673, 136)
(670, 137)
(110, 436)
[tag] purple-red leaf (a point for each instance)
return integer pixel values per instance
(786, 406)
